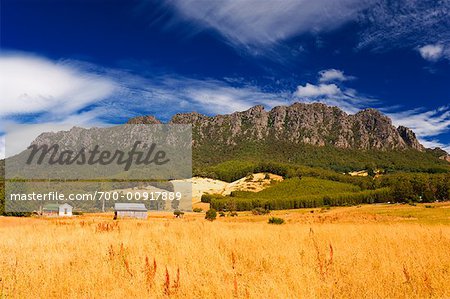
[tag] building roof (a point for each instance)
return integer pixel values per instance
(130, 207)
(51, 207)
(54, 206)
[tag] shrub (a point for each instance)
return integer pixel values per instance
(276, 220)
(207, 198)
(221, 214)
(178, 213)
(197, 210)
(326, 208)
(211, 215)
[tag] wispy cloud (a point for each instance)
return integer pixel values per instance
(213, 96)
(63, 91)
(258, 25)
(405, 24)
(165, 95)
(424, 123)
(251, 23)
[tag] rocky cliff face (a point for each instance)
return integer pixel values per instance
(315, 124)
(409, 137)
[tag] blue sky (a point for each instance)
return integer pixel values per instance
(103, 61)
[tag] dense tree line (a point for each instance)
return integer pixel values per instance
(297, 202)
(419, 187)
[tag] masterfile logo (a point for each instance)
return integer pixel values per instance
(90, 167)
(147, 156)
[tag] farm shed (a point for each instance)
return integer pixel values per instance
(64, 210)
(130, 210)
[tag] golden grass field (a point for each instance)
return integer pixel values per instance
(378, 251)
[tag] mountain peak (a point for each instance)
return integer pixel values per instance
(147, 120)
(256, 109)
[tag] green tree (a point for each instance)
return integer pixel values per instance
(402, 190)
(211, 215)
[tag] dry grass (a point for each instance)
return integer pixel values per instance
(356, 254)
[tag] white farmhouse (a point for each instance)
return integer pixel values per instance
(65, 210)
(130, 210)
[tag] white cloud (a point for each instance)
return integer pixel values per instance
(333, 75)
(31, 84)
(424, 123)
(431, 52)
(52, 92)
(331, 94)
(315, 91)
(265, 22)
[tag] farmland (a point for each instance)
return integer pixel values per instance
(308, 187)
(364, 251)
(293, 193)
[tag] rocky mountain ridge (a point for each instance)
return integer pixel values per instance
(315, 124)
